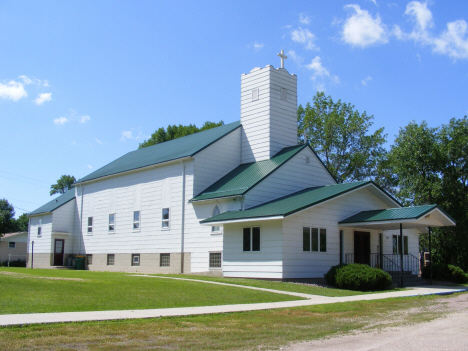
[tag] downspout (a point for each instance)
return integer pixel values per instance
(81, 219)
(182, 226)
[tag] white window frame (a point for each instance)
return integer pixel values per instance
(138, 223)
(251, 239)
(167, 220)
(209, 260)
(136, 260)
(39, 228)
(319, 229)
(111, 224)
(10, 246)
(216, 229)
(90, 232)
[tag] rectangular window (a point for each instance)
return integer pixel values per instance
(397, 245)
(135, 259)
(110, 259)
(312, 241)
(39, 228)
(112, 222)
(284, 94)
(136, 220)
(89, 259)
(165, 218)
(165, 260)
(305, 239)
(251, 239)
(90, 224)
(11, 245)
(215, 259)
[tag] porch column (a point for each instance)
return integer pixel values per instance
(401, 252)
(430, 257)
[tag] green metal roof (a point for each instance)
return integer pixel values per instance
(392, 214)
(290, 204)
(170, 150)
(55, 203)
(246, 176)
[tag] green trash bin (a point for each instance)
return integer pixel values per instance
(79, 262)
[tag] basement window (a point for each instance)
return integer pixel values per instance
(215, 260)
(89, 259)
(135, 259)
(165, 260)
(110, 259)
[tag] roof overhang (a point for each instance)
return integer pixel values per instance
(434, 218)
(242, 220)
(217, 198)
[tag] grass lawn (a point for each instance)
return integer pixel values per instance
(233, 331)
(276, 285)
(25, 290)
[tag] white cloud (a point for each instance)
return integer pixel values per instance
(360, 29)
(258, 46)
(304, 36)
(12, 91)
(84, 119)
(374, 1)
(98, 141)
(129, 135)
(320, 87)
(126, 134)
(452, 42)
(365, 80)
(304, 18)
(27, 81)
(60, 121)
(295, 57)
(41, 98)
(89, 166)
(318, 69)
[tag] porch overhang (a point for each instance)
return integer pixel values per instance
(418, 217)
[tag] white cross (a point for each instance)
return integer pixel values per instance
(283, 57)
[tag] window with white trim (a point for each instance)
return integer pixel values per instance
(314, 239)
(90, 225)
(216, 211)
(397, 245)
(112, 222)
(215, 259)
(12, 245)
(136, 220)
(135, 259)
(251, 239)
(39, 228)
(165, 218)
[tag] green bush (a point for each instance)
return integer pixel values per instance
(362, 277)
(444, 272)
(457, 275)
(14, 263)
(330, 276)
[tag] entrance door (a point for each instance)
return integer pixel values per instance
(362, 247)
(58, 252)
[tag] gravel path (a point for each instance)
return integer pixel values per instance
(447, 333)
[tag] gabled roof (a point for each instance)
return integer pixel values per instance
(291, 204)
(246, 176)
(11, 235)
(168, 151)
(394, 214)
(55, 203)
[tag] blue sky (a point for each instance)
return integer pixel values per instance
(82, 83)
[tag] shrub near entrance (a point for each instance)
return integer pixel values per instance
(362, 277)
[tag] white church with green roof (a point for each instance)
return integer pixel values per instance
(240, 200)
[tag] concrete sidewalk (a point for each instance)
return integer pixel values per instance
(64, 317)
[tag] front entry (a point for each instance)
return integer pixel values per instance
(58, 252)
(362, 247)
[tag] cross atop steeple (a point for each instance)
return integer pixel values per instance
(283, 57)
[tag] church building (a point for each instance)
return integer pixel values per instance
(240, 200)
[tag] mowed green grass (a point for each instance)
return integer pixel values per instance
(276, 285)
(25, 290)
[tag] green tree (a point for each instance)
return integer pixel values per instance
(430, 166)
(21, 224)
(173, 132)
(63, 184)
(7, 216)
(340, 136)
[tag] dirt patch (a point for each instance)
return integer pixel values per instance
(23, 275)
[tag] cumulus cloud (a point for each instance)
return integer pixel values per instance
(12, 90)
(60, 121)
(361, 29)
(304, 18)
(84, 119)
(27, 81)
(128, 135)
(41, 98)
(317, 67)
(258, 46)
(295, 57)
(453, 41)
(305, 37)
(365, 80)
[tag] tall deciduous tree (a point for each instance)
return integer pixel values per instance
(340, 136)
(63, 184)
(7, 214)
(173, 132)
(21, 224)
(430, 166)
